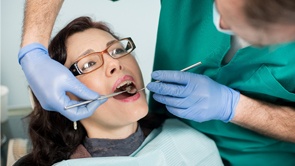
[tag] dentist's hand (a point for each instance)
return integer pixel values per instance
(49, 80)
(193, 96)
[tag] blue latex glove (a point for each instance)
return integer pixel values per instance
(49, 80)
(193, 96)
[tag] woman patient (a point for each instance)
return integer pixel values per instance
(119, 127)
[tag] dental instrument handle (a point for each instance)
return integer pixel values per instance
(89, 101)
(191, 66)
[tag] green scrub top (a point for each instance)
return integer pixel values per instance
(186, 34)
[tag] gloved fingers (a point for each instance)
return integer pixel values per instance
(76, 113)
(178, 77)
(167, 89)
(95, 104)
(80, 90)
(195, 114)
(179, 112)
(181, 103)
(175, 111)
(83, 111)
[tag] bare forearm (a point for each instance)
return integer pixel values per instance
(265, 118)
(39, 18)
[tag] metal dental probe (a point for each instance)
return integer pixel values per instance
(100, 98)
(191, 66)
(117, 93)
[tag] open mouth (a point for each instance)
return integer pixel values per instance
(127, 86)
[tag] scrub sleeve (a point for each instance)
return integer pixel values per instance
(186, 35)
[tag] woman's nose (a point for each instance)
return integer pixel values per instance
(112, 65)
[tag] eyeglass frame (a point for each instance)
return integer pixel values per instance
(75, 69)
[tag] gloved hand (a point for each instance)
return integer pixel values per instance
(49, 80)
(193, 96)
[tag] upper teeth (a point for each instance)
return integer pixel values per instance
(124, 83)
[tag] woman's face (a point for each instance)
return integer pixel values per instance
(116, 112)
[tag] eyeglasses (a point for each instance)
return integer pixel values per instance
(93, 61)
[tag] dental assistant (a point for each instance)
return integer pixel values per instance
(250, 88)
(246, 100)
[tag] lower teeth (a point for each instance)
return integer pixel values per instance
(131, 90)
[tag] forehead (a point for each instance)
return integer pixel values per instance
(92, 40)
(89, 38)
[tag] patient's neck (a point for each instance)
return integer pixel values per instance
(96, 131)
(99, 147)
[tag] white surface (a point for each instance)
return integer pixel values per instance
(4, 95)
(135, 18)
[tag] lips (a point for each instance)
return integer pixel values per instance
(125, 83)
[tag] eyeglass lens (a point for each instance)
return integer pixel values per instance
(94, 60)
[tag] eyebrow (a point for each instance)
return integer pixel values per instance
(91, 50)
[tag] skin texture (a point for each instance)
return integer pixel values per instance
(266, 118)
(36, 29)
(115, 118)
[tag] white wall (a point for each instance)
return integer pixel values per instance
(135, 18)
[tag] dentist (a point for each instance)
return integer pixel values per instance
(243, 94)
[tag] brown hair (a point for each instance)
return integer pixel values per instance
(260, 12)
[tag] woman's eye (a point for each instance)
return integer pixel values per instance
(118, 51)
(88, 66)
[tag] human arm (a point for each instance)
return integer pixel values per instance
(48, 79)
(272, 120)
(39, 18)
(199, 98)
